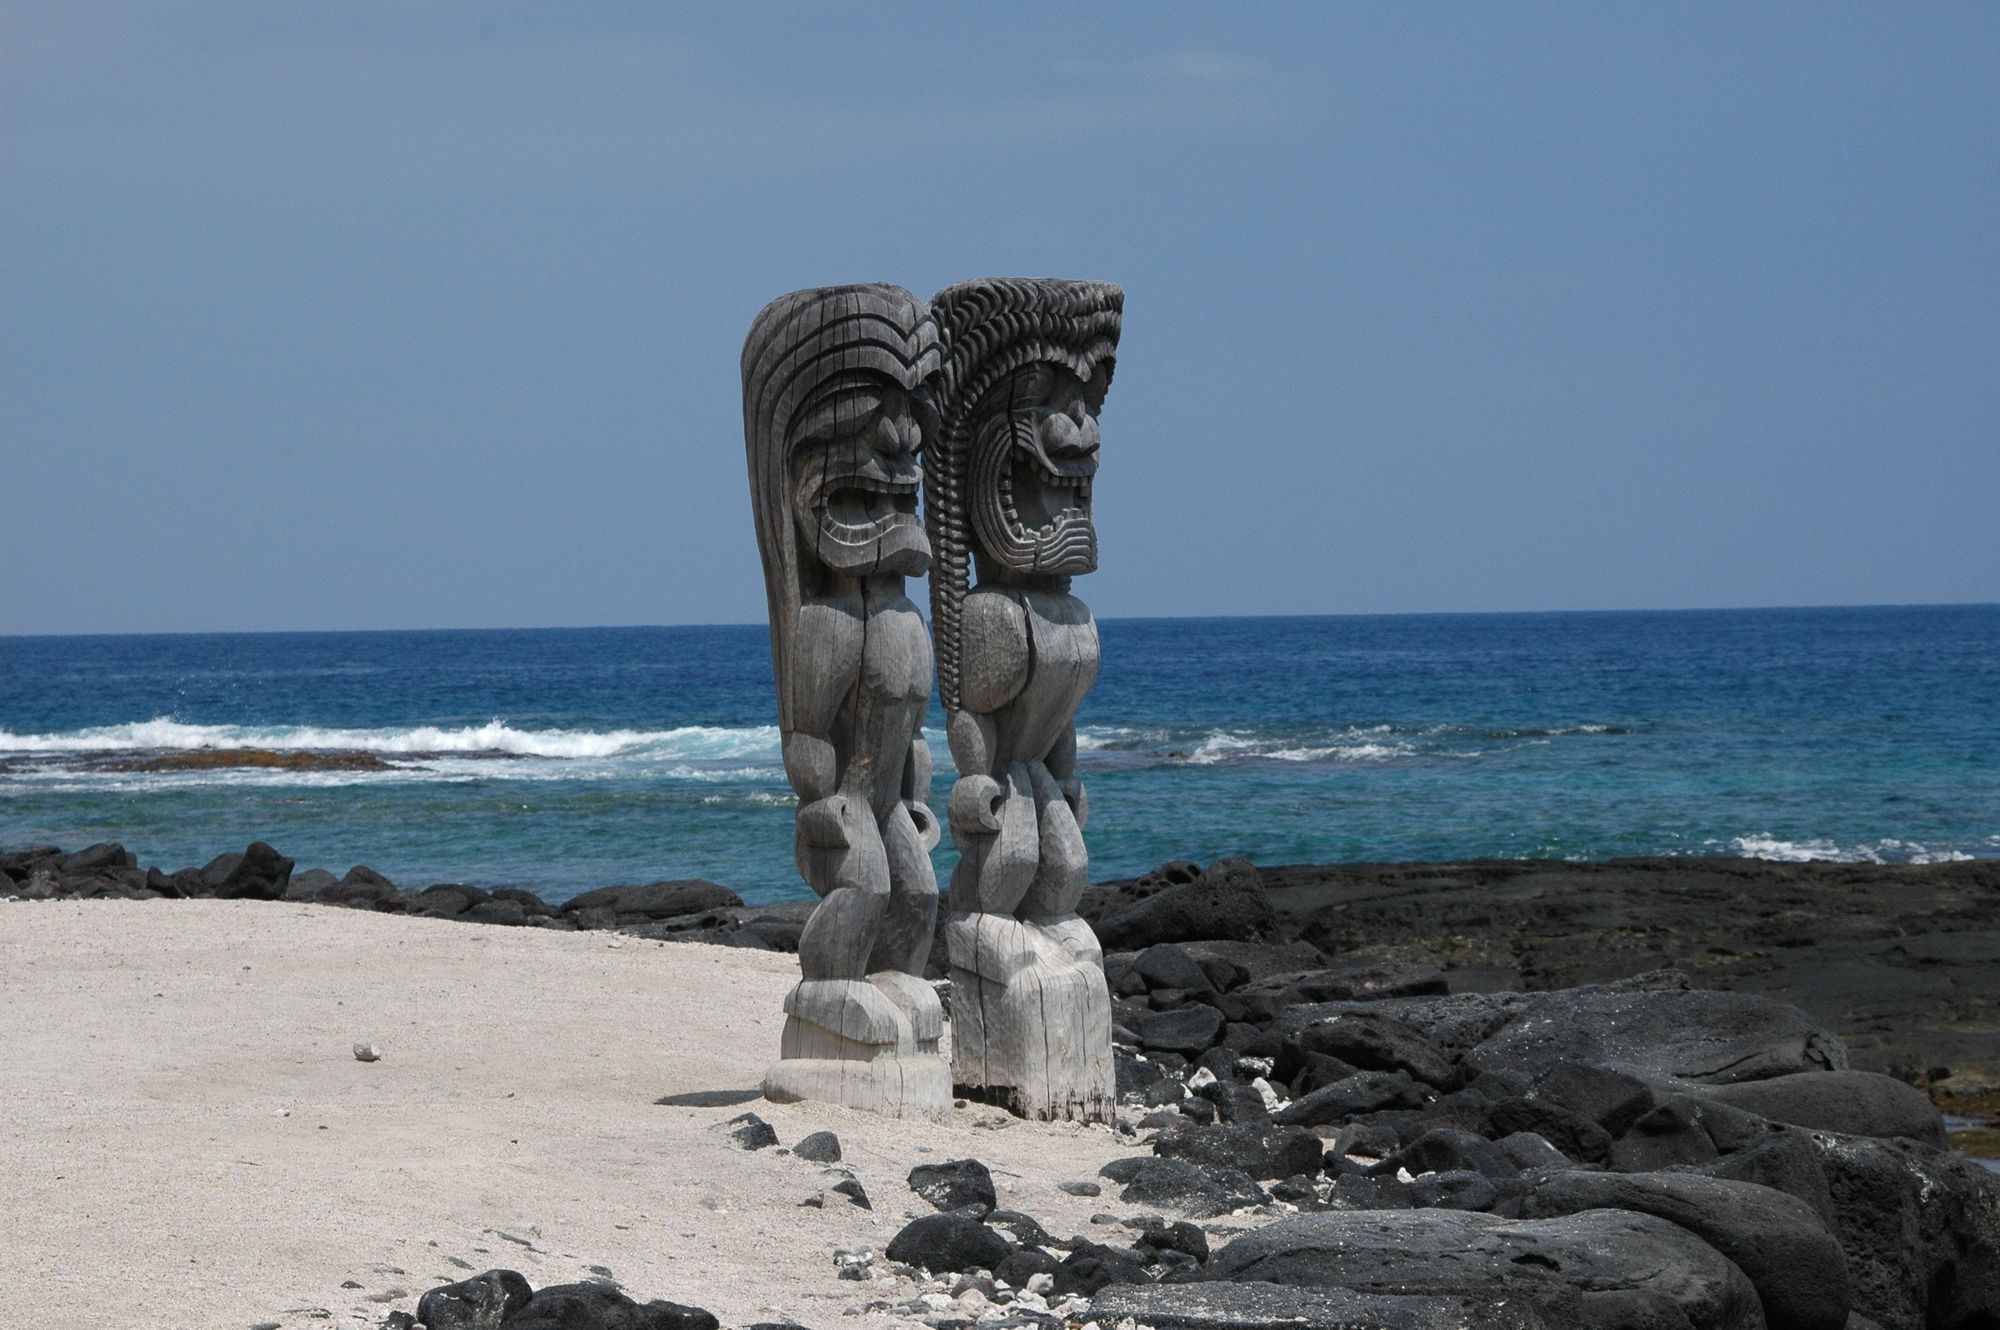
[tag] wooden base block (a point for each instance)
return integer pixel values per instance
(1030, 1022)
(870, 1044)
(897, 1087)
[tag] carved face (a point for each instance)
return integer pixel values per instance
(855, 468)
(1034, 453)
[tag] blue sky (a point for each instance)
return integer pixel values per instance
(372, 315)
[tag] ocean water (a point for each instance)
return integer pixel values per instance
(565, 759)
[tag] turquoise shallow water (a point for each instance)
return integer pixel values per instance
(567, 759)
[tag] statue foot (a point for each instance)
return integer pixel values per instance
(1031, 1021)
(918, 1002)
(850, 1041)
(1074, 936)
(897, 1087)
(998, 946)
(852, 1010)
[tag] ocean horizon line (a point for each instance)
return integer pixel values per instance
(1117, 618)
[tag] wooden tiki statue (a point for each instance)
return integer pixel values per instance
(1007, 503)
(833, 422)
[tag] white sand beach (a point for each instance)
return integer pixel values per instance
(190, 1141)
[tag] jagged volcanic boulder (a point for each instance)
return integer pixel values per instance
(656, 900)
(1227, 901)
(1857, 1103)
(1261, 1306)
(1262, 1151)
(1776, 1240)
(1629, 1269)
(1921, 1230)
(955, 1184)
(952, 1241)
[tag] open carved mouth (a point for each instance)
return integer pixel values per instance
(864, 520)
(1038, 500)
(859, 508)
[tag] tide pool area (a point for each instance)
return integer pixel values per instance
(566, 759)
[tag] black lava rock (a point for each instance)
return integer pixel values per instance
(1165, 965)
(1199, 1190)
(603, 1307)
(1448, 1150)
(1363, 1092)
(1376, 1041)
(1227, 901)
(1570, 1132)
(1186, 1030)
(657, 900)
(1091, 1266)
(482, 1302)
(1455, 1189)
(1775, 1239)
(954, 1185)
(1637, 1270)
(822, 1147)
(1261, 1151)
(751, 1132)
(1179, 1236)
(952, 1241)
(1609, 1098)
(259, 873)
(1855, 1103)
(1665, 1135)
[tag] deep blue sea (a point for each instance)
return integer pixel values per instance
(565, 759)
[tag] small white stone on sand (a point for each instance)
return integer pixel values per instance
(367, 1052)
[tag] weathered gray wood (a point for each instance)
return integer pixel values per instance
(1024, 368)
(831, 429)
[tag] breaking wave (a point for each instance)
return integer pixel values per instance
(1888, 851)
(162, 733)
(1361, 744)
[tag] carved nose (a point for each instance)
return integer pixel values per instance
(897, 437)
(1070, 434)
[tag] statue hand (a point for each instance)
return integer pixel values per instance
(832, 823)
(927, 823)
(975, 805)
(1079, 801)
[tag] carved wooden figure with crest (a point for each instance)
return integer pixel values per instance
(834, 420)
(1008, 476)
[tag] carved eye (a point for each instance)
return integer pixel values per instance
(1033, 384)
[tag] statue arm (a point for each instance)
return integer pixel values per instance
(917, 791)
(975, 799)
(993, 672)
(1062, 765)
(825, 651)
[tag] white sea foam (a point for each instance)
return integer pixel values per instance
(686, 743)
(1095, 738)
(1887, 851)
(1349, 746)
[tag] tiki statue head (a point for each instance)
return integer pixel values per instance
(833, 423)
(1026, 362)
(1026, 365)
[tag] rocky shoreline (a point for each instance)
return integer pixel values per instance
(1641, 1094)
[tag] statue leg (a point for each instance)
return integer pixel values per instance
(909, 918)
(1031, 1026)
(909, 921)
(996, 869)
(834, 999)
(1062, 873)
